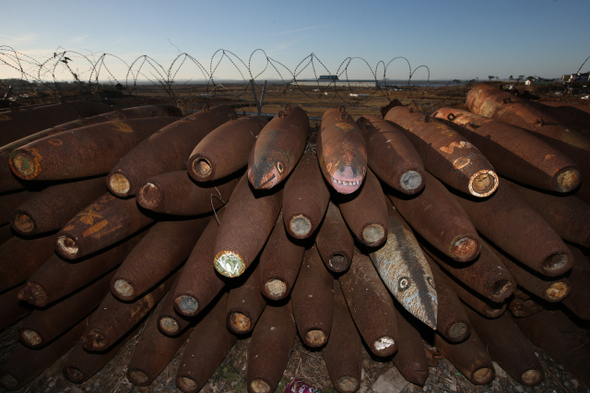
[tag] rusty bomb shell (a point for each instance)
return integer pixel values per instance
(508, 347)
(25, 363)
(479, 303)
(21, 258)
(440, 220)
(175, 193)
(6, 233)
(568, 215)
(578, 300)
(270, 347)
(153, 351)
(365, 211)
(25, 121)
(486, 275)
(238, 241)
(451, 320)
(511, 224)
(410, 358)
(342, 153)
(225, 150)
(11, 200)
(245, 303)
(58, 277)
(102, 223)
(280, 262)
(445, 153)
(370, 305)
(207, 346)
(334, 241)
(166, 150)
(313, 300)
(515, 153)
(114, 318)
(552, 289)
(343, 350)
(401, 265)
(391, 156)
(168, 320)
(522, 304)
(305, 198)
(52, 208)
(44, 325)
(80, 365)
(561, 338)
(82, 152)
(278, 148)
(469, 357)
(199, 282)
(11, 309)
(164, 248)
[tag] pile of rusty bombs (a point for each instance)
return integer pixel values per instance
(377, 232)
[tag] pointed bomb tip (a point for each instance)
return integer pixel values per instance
(22, 223)
(300, 227)
(567, 179)
(119, 184)
(186, 305)
(229, 264)
(263, 175)
(123, 289)
(240, 323)
(149, 196)
(34, 294)
(74, 375)
(168, 326)
(202, 170)
(25, 164)
(67, 247)
(483, 183)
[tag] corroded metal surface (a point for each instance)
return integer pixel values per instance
(245, 303)
(334, 241)
(278, 148)
(342, 153)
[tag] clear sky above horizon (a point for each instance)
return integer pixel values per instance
(454, 39)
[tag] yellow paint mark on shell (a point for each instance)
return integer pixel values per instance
(550, 156)
(346, 127)
(461, 162)
(5, 118)
(68, 228)
(461, 145)
(123, 127)
(55, 142)
(95, 228)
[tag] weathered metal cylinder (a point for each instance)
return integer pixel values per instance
(166, 150)
(24, 121)
(365, 211)
(391, 156)
(445, 153)
(238, 241)
(508, 347)
(568, 215)
(245, 303)
(175, 193)
(552, 289)
(11, 200)
(562, 339)
(113, 318)
(280, 262)
(522, 304)
(165, 246)
(334, 241)
(451, 320)
(410, 358)
(270, 347)
(57, 277)
(343, 350)
(401, 265)
(370, 305)
(153, 351)
(53, 207)
(11, 309)
(578, 300)
(469, 357)
(313, 300)
(170, 322)
(278, 148)
(44, 325)
(207, 346)
(305, 197)
(482, 305)
(198, 283)
(80, 365)
(21, 258)
(341, 149)
(104, 222)
(224, 150)
(511, 224)
(25, 363)
(82, 152)
(515, 153)
(486, 275)
(439, 218)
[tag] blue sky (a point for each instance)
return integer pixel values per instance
(455, 39)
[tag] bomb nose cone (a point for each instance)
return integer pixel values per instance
(262, 175)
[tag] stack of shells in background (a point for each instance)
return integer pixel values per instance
(381, 231)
